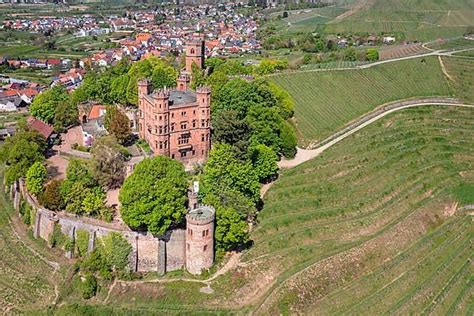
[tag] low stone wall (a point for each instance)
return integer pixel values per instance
(149, 253)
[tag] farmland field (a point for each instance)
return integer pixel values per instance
(414, 19)
(462, 71)
(327, 100)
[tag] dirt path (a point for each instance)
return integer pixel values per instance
(304, 155)
(355, 8)
(443, 68)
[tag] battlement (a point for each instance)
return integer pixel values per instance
(203, 89)
(162, 93)
(202, 215)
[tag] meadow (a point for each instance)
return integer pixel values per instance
(325, 101)
(413, 19)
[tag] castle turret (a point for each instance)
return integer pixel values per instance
(200, 239)
(183, 82)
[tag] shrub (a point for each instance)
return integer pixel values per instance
(51, 197)
(69, 244)
(35, 177)
(82, 242)
(57, 238)
(88, 286)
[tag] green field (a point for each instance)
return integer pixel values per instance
(462, 71)
(328, 100)
(414, 19)
(367, 222)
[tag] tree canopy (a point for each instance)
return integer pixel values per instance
(20, 152)
(44, 105)
(117, 124)
(108, 162)
(35, 178)
(154, 196)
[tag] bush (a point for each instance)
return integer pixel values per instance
(89, 286)
(35, 177)
(51, 197)
(82, 242)
(57, 238)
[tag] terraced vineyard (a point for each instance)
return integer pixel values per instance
(412, 19)
(370, 227)
(462, 71)
(25, 280)
(327, 100)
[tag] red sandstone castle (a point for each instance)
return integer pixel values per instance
(176, 122)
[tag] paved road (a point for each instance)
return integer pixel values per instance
(304, 155)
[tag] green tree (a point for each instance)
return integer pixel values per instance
(51, 197)
(372, 54)
(288, 140)
(163, 77)
(108, 162)
(115, 249)
(66, 114)
(35, 178)
(117, 124)
(44, 105)
(118, 87)
(20, 152)
(231, 229)
(197, 76)
(88, 286)
(350, 54)
(264, 159)
(154, 195)
(230, 129)
(225, 172)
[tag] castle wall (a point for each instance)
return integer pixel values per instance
(149, 253)
(176, 250)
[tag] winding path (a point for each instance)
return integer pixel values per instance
(304, 155)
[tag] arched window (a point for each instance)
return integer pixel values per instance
(192, 51)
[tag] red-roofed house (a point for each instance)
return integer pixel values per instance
(40, 126)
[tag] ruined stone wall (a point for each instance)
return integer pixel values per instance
(176, 250)
(149, 253)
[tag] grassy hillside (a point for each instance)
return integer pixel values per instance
(462, 71)
(326, 101)
(414, 19)
(369, 228)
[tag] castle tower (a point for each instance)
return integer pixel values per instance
(200, 239)
(194, 54)
(160, 141)
(203, 96)
(144, 87)
(183, 82)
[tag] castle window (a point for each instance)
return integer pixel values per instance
(172, 156)
(193, 51)
(172, 115)
(183, 139)
(183, 154)
(202, 123)
(205, 247)
(183, 113)
(190, 231)
(161, 130)
(161, 145)
(155, 117)
(194, 152)
(187, 247)
(160, 117)
(194, 123)
(183, 125)
(194, 111)
(203, 233)
(166, 144)
(172, 127)
(207, 232)
(207, 137)
(202, 152)
(202, 137)
(203, 111)
(202, 100)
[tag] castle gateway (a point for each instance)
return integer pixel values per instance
(176, 122)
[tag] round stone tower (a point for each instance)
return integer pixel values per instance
(200, 239)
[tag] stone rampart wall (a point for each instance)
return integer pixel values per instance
(149, 253)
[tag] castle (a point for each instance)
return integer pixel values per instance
(176, 122)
